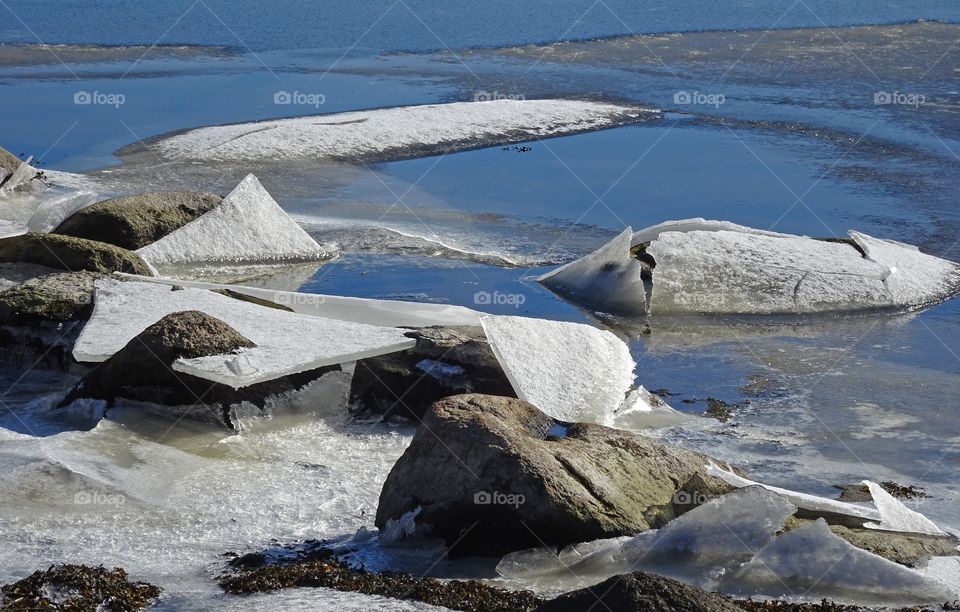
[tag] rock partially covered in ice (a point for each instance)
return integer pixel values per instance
(494, 474)
(717, 267)
(812, 559)
(71, 254)
(247, 227)
(640, 591)
(445, 361)
(14, 173)
(8, 164)
(571, 371)
(894, 516)
(132, 222)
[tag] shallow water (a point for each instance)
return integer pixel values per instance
(798, 145)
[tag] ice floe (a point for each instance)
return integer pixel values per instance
(894, 516)
(571, 371)
(718, 267)
(406, 131)
(287, 343)
(247, 227)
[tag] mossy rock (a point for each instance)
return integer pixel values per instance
(132, 222)
(60, 297)
(71, 254)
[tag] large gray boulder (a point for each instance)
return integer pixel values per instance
(445, 361)
(71, 254)
(491, 475)
(143, 370)
(134, 221)
(640, 592)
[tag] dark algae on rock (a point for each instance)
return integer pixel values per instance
(78, 588)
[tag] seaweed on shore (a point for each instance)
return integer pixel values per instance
(78, 588)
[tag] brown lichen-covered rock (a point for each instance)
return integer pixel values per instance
(491, 475)
(78, 587)
(445, 361)
(71, 254)
(132, 222)
(640, 591)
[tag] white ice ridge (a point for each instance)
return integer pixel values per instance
(387, 132)
(287, 343)
(390, 313)
(571, 371)
(894, 516)
(247, 227)
(718, 267)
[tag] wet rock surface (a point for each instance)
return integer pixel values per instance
(132, 222)
(71, 254)
(640, 591)
(492, 475)
(77, 588)
(446, 361)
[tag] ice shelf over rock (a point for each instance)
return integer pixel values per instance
(287, 343)
(247, 227)
(405, 131)
(571, 371)
(718, 267)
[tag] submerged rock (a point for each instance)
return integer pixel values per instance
(445, 361)
(132, 222)
(491, 475)
(71, 254)
(142, 370)
(78, 587)
(43, 316)
(640, 591)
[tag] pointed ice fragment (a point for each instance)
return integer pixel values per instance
(287, 343)
(22, 175)
(571, 371)
(813, 560)
(247, 227)
(894, 516)
(608, 278)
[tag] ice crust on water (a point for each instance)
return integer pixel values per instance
(247, 227)
(812, 559)
(287, 343)
(609, 273)
(389, 313)
(387, 131)
(571, 371)
(894, 516)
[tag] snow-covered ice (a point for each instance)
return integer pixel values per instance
(894, 516)
(247, 227)
(387, 133)
(571, 371)
(287, 343)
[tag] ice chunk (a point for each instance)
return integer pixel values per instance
(813, 560)
(390, 313)
(21, 176)
(894, 516)
(52, 211)
(642, 410)
(608, 278)
(287, 343)
(722, 531)
(9, 229)
(247, 227)
(389, 133)
(571, 371)
(812, 503)
(697, 224)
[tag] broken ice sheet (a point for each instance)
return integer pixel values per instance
(894, 516)
(812, 561)
(571, 371)
(287, 343)
(247, 227)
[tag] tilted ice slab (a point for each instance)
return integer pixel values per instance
(390, 133)
(247, 227)
(812, 559)
(390, 313)
(287, 343)
(21, 176)
(894, 516)
(571, 371)
(718, 267)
